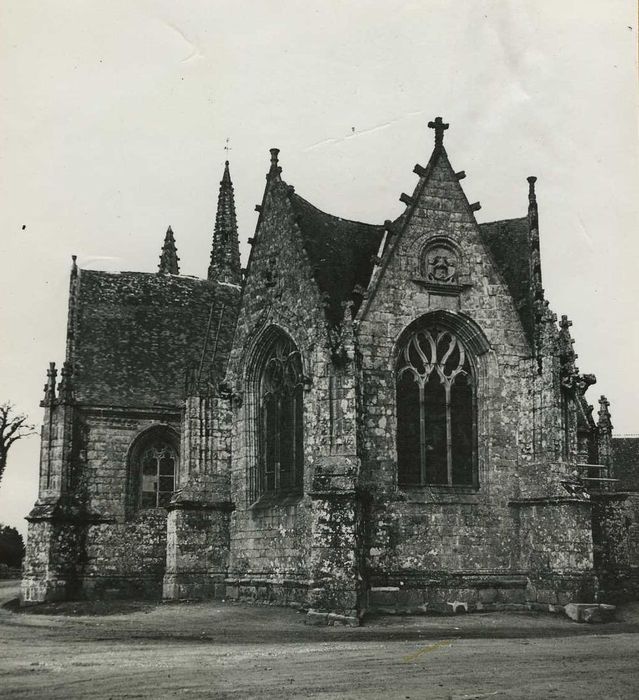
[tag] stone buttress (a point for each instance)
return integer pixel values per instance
(198, 514)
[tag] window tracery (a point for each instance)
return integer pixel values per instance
(435, 410)
(280, 421)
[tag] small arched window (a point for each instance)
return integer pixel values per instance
(435, 410)
(153, 469)
(280, 415)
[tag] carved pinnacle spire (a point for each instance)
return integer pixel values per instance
(604, 422)
(49, 387)
(225, 254)
(439, 127)
(65, 387)
(567, 354)
(275, 168)
(168, 257)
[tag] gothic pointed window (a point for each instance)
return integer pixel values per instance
(153, 467)
(435, 411)
(280, 416)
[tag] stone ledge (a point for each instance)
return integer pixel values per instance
(281, 500)
(337, 495)
(547, 501)
(223, 506)
(266, 581)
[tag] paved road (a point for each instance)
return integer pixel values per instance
(239, 651)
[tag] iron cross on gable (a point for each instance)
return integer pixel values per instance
(439, 127)
(227, 148)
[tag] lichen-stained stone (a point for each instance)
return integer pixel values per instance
(278, 392)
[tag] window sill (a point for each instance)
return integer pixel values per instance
(276, 500)
(439, 493)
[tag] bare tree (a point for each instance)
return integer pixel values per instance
(13, 426)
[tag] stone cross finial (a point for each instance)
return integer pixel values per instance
(565, 322)
(439, 127)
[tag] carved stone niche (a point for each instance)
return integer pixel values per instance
(442, 272)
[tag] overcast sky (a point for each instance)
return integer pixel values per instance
(114, 118)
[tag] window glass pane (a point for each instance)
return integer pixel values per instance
(271, 442)
(167, 466)
(149, 465)
(147, 500)
(287, 442)
(299, 437)
(461, 410)
(149, 483)
(435, 442)
(166, 483)
(408, 430)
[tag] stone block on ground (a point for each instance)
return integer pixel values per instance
(315, 618)
(590, 612)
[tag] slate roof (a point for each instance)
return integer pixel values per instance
(341, 251)
(135, 335)
(508, 242)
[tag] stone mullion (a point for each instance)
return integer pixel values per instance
(422, 434)
(449, 437)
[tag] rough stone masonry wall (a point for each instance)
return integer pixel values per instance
(445, 539)
(615, 520)
(271, 542)
(124, 550)
(556, 549)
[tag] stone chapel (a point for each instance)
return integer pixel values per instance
(368, 417)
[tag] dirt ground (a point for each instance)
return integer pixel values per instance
(222, 650)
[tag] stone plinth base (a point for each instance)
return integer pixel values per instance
(291, 592)
(446, 594)
(193, 586)
(33, 591)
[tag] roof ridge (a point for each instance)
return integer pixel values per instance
(335, 216)
(503, 221)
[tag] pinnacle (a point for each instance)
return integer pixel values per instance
(225, 253)
(168, 257)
